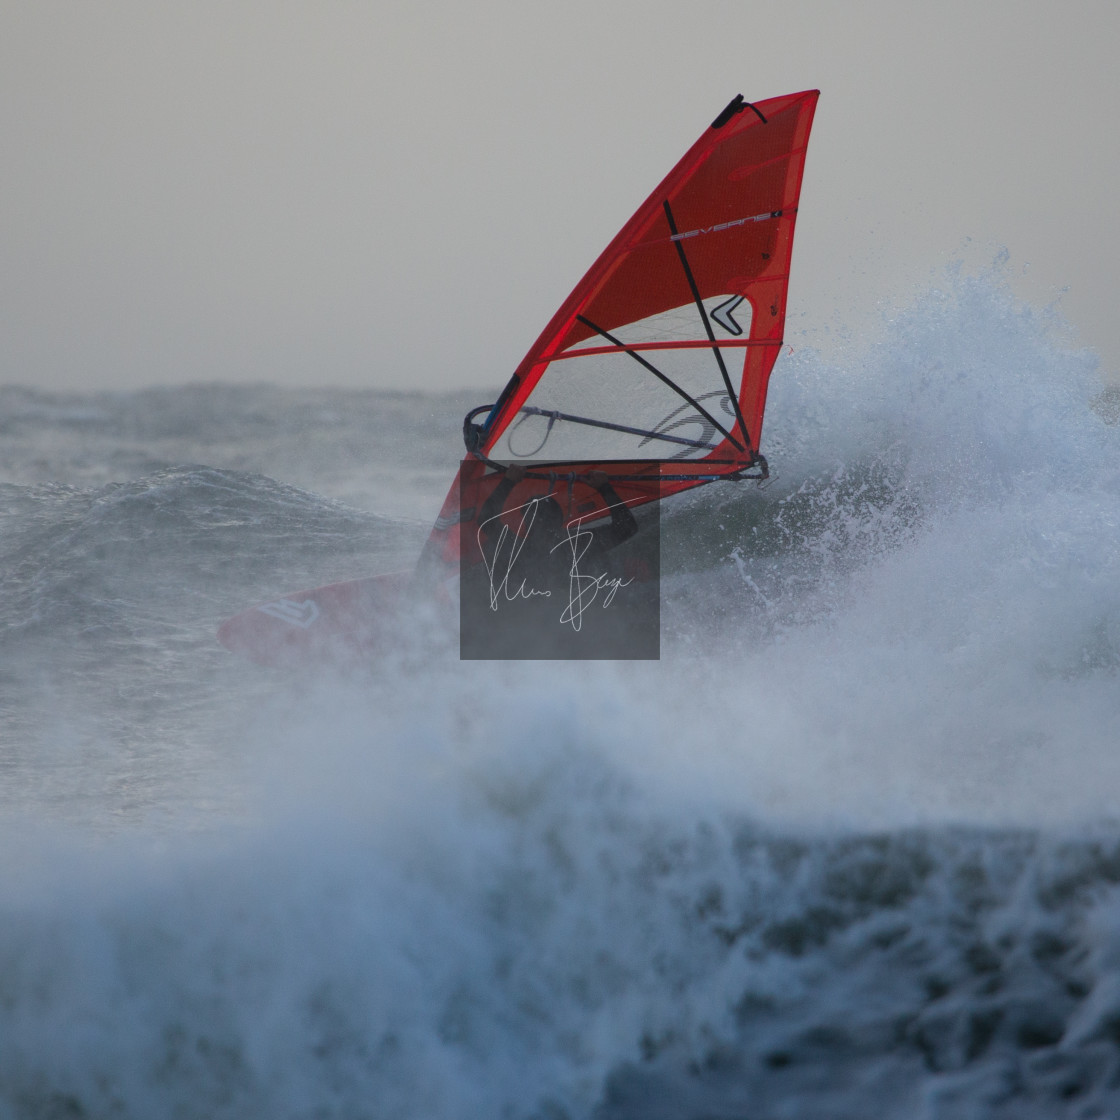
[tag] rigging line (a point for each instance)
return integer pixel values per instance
(707, 323)
(667, 380)
(532, 410)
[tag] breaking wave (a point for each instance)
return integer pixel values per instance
(849, 849)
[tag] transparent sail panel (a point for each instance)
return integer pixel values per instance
(729, 315)
(664, 402)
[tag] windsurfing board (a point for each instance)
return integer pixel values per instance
(351, 622)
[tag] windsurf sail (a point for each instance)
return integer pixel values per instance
(655, 368)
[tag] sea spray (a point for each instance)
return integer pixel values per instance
(850, 848)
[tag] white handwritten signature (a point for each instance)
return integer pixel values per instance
(583, 588)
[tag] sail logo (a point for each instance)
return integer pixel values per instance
(450, 520)
(727, 225)
(297, 614)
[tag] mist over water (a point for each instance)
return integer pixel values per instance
(849, 849)
(935, 578)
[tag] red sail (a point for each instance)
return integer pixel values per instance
(655, 368)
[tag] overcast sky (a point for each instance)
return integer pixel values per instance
(400, 194)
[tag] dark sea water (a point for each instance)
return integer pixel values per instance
(851, 849)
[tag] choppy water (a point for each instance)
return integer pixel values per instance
(851, 849)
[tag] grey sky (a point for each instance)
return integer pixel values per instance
(399, 194)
